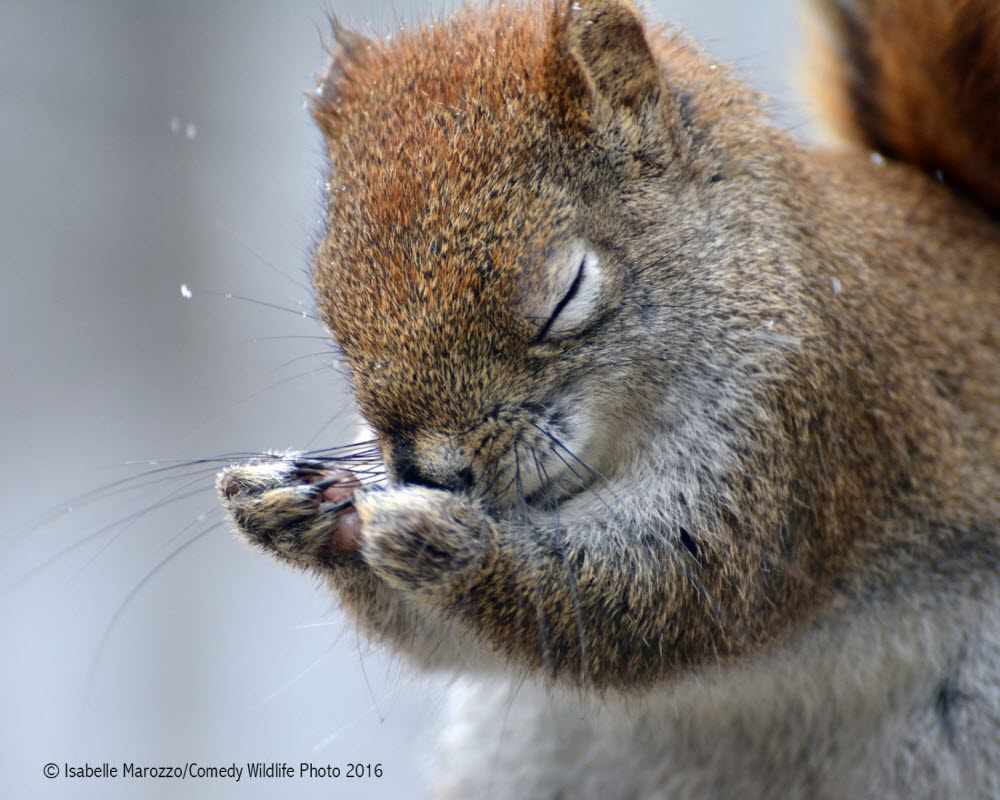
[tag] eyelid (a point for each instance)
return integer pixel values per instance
(571, 292)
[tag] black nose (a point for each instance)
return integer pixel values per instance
(409, 471)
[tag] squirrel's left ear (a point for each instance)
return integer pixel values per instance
(600, 62)
(349, 49)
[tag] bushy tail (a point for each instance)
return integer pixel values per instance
(918, 81)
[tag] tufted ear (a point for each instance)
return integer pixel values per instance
(349, 49)
(607, 39)
(600, 62)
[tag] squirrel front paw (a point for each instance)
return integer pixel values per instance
(292, 507)
(426, 541)
(420, 540)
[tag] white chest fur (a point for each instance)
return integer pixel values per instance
(893, 704)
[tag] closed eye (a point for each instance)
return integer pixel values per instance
(574, 289)
(581, 297)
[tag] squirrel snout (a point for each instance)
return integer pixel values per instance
(407, 469)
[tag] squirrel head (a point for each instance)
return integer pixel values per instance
(488, 265)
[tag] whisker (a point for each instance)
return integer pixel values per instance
(290, 683)
(116, 617)
(260, 257)
(583, 484)
(485, 491)
(215, 507)
(507, 486)
(543, 477)
(371, 693)
(252, 396)
(265, 303)
(284, 337)
(522, 503)
(127, 521)
(502, 732)
(544, 640)
(594, 473)
(192, 471)
(367, 446)
(124, 485)
(572, 455)
(327, 424)
(303, 357)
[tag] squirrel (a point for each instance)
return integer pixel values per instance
(690, 430)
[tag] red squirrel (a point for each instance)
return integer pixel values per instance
(690, 429)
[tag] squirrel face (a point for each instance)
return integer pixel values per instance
(470, 273)
(508, 401)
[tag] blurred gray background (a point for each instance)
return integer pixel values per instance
(144, 146)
